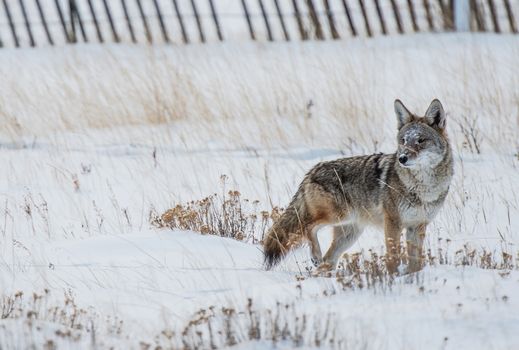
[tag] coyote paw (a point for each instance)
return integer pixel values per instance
(316, 261)
(324, 270)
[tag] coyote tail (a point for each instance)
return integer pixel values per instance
(285, 232)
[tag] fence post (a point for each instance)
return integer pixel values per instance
(144, 22)
(266, 20)
(350, 18)
(215, 20)
(381, 17)
(331, 21)
(297, 14)
(75, 15)
(428, 14)
(94, 19)
(198, 22)
(413, 15)
(27, 23)
(315, 20)
(462, 15)
(185, 37)
(510, 15)
(493, 14)
(44, 22)
(365, 16)
(281, 20)
(162, 25)
(11, 24)
(128, 21)
(111, 21)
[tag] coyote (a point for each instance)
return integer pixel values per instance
(402, 190)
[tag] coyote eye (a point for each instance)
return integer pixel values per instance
(402, 141)
(420, 140)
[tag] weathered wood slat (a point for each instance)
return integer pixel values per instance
(198, 21)
(162, 25)
(299, 19)
(27, 23)
(381, 17)
(365, 16)
(128, 21)
(12, 26)
(347, 11)
(265, 20)
(318, 30)
(147, 31)
(216, 20)
(331, 20)
(108, 12)
(94, 19)
(282, 21)
(44, 22)
(185, 37)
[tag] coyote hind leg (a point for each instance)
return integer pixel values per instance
(315, 247)
(343, 238)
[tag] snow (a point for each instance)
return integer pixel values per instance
(75, 200)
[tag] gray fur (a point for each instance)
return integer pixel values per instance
(373, 190)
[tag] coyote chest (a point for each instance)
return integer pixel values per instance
(412, 214)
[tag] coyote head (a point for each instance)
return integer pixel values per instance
(422, 141)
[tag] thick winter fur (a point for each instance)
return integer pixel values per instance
(402, 190)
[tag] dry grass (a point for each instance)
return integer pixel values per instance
(229, 215)
(263, 94)
(226, 215)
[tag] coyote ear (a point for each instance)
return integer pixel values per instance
(402, 114)
(435, 115)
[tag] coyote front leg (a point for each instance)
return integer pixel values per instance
(415, 237)
(392, 231)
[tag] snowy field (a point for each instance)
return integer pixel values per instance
(97, 140)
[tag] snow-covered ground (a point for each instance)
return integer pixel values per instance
(94, 139)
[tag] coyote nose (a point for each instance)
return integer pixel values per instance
(402, 159)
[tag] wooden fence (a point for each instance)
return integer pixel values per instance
(55, 22)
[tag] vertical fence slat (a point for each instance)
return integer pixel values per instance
(162, 25)
(365, 16)
(76, 15)
(108, 12)
(448, 23)
(412, 13)
(381, 17)
(474, 9)
(350, 18)
(493, 15)
(428, 14)
(281, 20)
(265, 20)
(247, 18)
(74, 25)
(128, 21)
(12, 26)
(27, 23)
(397, 17)
(44, 22)
(94, 19)
(300, 26)
(185, 37)
(215, 20)
(144, 22)
(315, 20)
(62, 21)
(510, 15)
(331, 20)
(198, 22)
